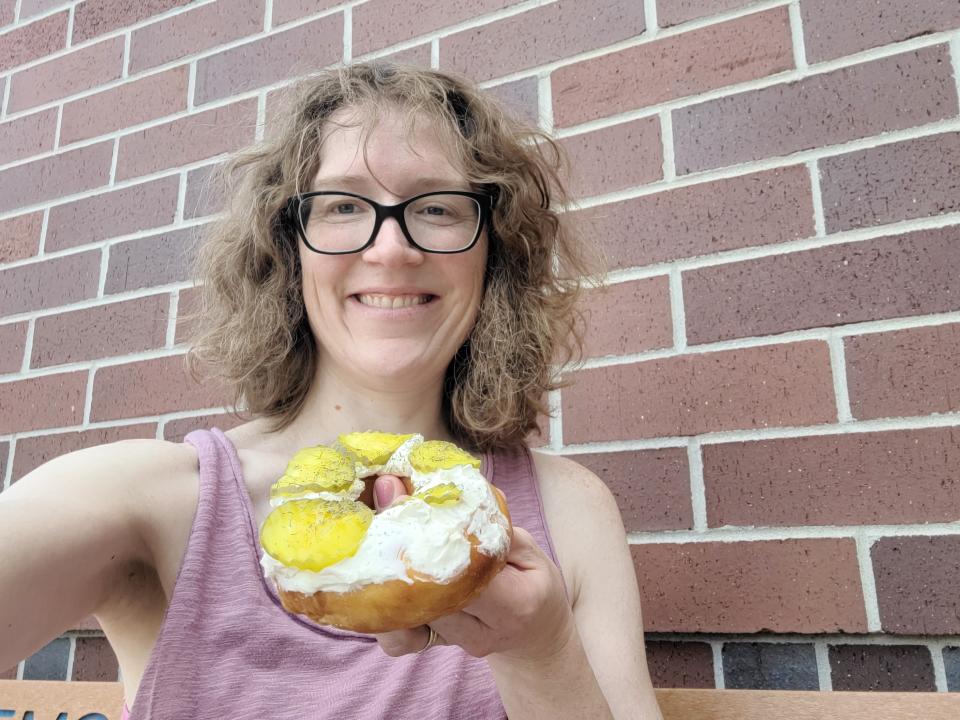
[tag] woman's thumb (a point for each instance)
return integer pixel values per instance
(386, 489)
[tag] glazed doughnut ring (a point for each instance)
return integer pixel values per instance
(428, 554)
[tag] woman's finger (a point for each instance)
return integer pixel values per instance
(386, 489)
(406, 642)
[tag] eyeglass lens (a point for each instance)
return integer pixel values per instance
(341, 223)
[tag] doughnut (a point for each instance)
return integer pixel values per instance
(429, 554)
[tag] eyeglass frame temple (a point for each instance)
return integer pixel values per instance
(382, 212)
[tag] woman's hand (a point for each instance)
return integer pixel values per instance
(522, 614)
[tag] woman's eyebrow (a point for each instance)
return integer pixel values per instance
(335, 182)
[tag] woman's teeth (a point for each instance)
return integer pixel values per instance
(392, 302)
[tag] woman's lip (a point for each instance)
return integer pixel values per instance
(408, 308)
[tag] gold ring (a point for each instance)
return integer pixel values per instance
(431, 641)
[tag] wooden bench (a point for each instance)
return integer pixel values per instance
(103, 701)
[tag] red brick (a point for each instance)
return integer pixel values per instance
(7, 8)
(766, 386)
(890, 183)
(615, 158)
(149, 387)
(13, 343)
(177, 430)
(286, 10)
(189, 139)
(193, 31)
(94, 660)
(49, 283)
(847, 479)
(66, 75)
(29, 8)
(904, 372)
(110, 214)
(652, 487)
(896, 276)
(42, 402)
(151, 261)
(674, 12)
(187, 304)
(762, 208)
(101, 332)
(96, 17)
(887, 668)
(20, 236)
(276, 57)
(31, 42)
(680, 664)
(203, 196)
(801, 586)
(540, 35)
(688, 64)
(521, 98)
(628, 317)
(130, 104)
(32, 452)
(918, 584)
(28, 135)
(52, 177)
(893, 93)
(377, 23)
(833, 29)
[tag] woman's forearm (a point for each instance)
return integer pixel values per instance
(562, 686)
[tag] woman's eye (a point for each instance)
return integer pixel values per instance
(345, 208)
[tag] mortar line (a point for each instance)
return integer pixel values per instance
(939, 668)
(545, 103)
(44, 225)
(816, 192)
(88, 399)
(435, 53)
(868, 581)
(8, 472)
(824, 678)
(666, 138)
(261, 128)
(178, 215)
(191, 85)
(796, 34)
(6, 96)
(801, 638)
(556, 419)
(16, 20)
(650, 20)
(22, 663)
(677, 312)
(698, 488)
(70, 15)
(113, 163)
(268, 16)
(71, 656)
(838, 368)
(57, 127)
(716, 649)
(125, 73)
(173, 310)
(955, 59)
(28, 346)
(347, 33)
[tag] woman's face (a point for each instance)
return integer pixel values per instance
(391, 316)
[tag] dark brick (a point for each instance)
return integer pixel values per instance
(680, 664)
(918, 584)
(889, 277)
(951, 665)
(28, 135)
(889, 668)
(96, 17)
(31, 42)
(42, 402)
(904, 372)
(177, 430)
(891, 183)
(13, 343)
(757, 209)
(155, 260)
(4, 459)
(652, 487)
(10, 673)
(203, 193)
(615, 158)
(770, 666)
(892, 93)
(521, 97)
(832, 29)
(48, 663)
(845, 479)
(674, 12)
(49, 283)
(628, 317)
(94, 660)
(52, 177)
(286, 10)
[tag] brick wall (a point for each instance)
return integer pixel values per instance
(771, 389)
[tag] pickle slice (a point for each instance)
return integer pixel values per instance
(372, 448)
(315, 469)
(440, 455)
(441, 495)
(314, 534)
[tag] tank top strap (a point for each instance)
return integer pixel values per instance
(512, 470)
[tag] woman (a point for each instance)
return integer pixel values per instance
(390, 259)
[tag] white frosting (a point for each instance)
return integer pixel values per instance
(411, 535)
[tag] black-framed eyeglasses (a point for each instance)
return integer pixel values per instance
(338, 223)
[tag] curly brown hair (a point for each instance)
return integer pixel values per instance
(251, 330)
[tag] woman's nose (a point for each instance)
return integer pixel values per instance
(391, 247)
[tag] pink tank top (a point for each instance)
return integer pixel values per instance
(227, 649)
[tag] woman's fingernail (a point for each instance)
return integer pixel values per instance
(382, 493)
